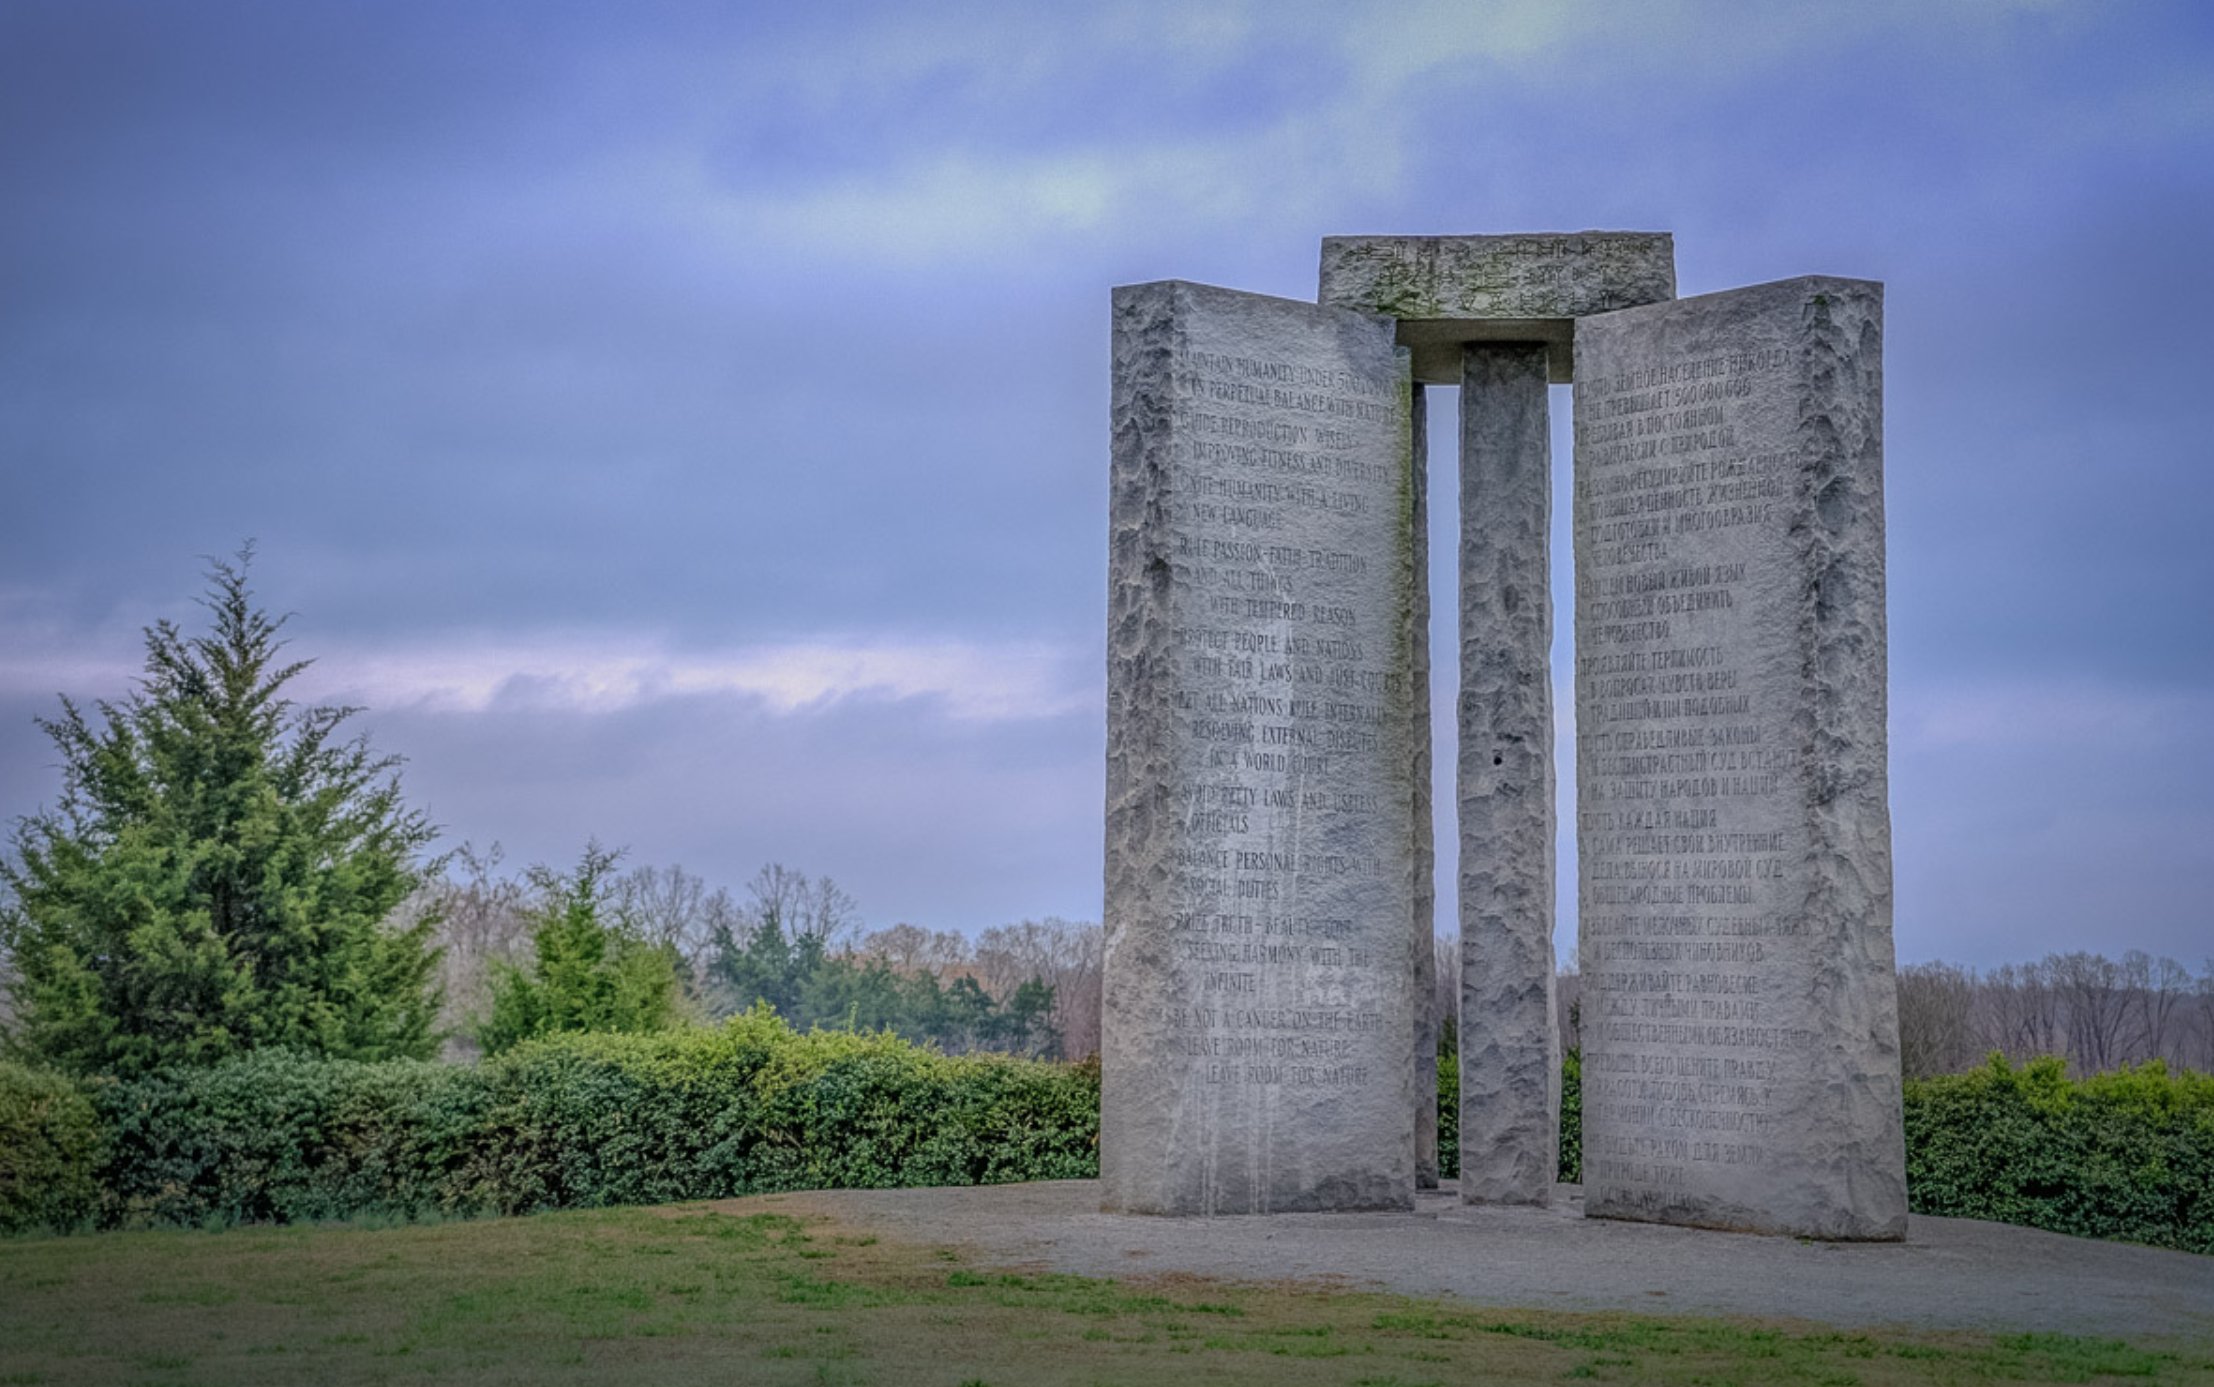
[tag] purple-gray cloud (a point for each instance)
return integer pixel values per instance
(607, 356)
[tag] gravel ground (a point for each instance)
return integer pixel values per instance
(1949, 1273)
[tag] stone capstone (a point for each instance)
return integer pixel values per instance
(1448, 291)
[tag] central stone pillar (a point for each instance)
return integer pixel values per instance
(1510, 1050)
(1496, 315)
(1423, 937)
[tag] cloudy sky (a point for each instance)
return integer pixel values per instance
(685, 424)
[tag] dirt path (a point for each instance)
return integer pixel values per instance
(1949, 1273)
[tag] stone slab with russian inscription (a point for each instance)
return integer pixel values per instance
(1261, 731)
(1740, 1065)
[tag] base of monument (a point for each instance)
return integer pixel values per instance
(1947, 1274)
(1713, 1218)
(1318, 1201)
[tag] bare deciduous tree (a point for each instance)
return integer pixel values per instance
(817, 909)
(1064, 954)
(1445, 987)
(7, 992)
(2095, 1004)
(947, 954)
(1568, 1005)
(2024, 1011)
(484, 919)
(672, 907)
(1936, 1021)
(2160, 989)
(902, 947)
(2201, 1051)
(2092, 1011)
(1079, 972)
(1006, 956)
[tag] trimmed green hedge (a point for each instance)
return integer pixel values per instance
(2126, 1155)
(49, 1151)
(752, 1106)
(581, 1120)
(1572, 1117)
(278, 1137)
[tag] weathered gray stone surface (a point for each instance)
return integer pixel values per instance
(1425, 859)
(1521, 275)
(1949, 1273)
(1260, 749)
(1741, 1061)
(1510, 1051)
(1447, 291)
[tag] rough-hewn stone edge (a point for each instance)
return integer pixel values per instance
(1843, 731)
(1139, 717)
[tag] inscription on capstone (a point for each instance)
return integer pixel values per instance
(1260, 736)
(1740, 1025)
(1531, 275)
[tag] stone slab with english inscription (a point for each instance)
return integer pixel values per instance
(1261, 731)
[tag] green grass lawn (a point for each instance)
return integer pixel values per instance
(690, 1295)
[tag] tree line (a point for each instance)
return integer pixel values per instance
(789, 941)
(227, 871)
(2095, 1012)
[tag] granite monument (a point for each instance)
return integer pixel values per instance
(1268, 1044)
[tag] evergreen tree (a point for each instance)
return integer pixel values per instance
(778, 954)
(589, 972)
(752, 964)
(1026, 1021)
(968, 1019)
(925, 999)
(219, 871)
(847, 994)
